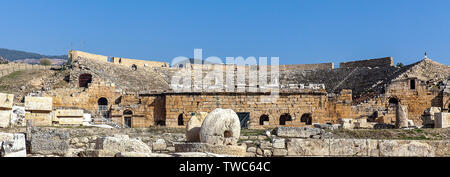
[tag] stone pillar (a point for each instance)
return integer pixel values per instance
(401, 116)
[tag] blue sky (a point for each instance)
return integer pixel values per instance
(308, 31)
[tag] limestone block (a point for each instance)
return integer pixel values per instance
(6, 100)
(38, 103)
(346, 123)
(199, 154)
(239, 151)
(5, 118)
(70, 121)
(221, 127)
(12, 145)
(49, 142)
(193, 127)
(87, 119)
(373, 148)
(279, 143)
(349, 147)
(69, 113)
(297, 132)
(141, 154)
(405, 148)
(442, 120)
(441, 148)
(308, 147)
(159, 145)
(280, 152)
(119, 143)
(40, 119)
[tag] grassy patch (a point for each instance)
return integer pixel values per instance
(12, 75)
(249, 132)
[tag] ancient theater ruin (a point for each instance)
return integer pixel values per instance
(133, 93)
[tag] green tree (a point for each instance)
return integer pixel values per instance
(400, 64)
(45, 62)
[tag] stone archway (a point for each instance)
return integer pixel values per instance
(102, 104)
(306, 118)
(127, 118)
(180, 119)
(284, 118)
(263, 118)
(393, 101)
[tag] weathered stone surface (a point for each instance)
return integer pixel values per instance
(18, 116)
(297, 132)
(251, 149)
(73, 152)
(348, 147)
(239, 151)
(405, 148)
(442, 120)
(87, 119)
(221, 127)
(120, 143)
(401, 116)
(308, 147)
(159, 145)
(6, 100)
(141, 154)
(323, 126)
(441, 148)
(38, 103)
(5, 118)
(194, 125)
(346, 123)
(279, 152)
(267, 153)
(198, 154)
(39, 119)
(49, 142)
(69, 113)
(372, 145)
(279, 143)
(12, 145)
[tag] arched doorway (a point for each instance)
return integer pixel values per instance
(306, 118)
(84, 80)
(284, 118)
(180, 119)
(263, 119)
(103, 107)
(393, 101)
(127, 118)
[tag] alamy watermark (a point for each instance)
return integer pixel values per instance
(241, 75)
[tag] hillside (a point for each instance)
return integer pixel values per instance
(13, 55)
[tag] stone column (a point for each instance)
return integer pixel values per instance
(401, 116)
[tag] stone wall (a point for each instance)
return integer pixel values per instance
(296, 105)
(139, 63)
(379, 62)
(320, 66)
(75, 55)
(6, 69)
(293, 142)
